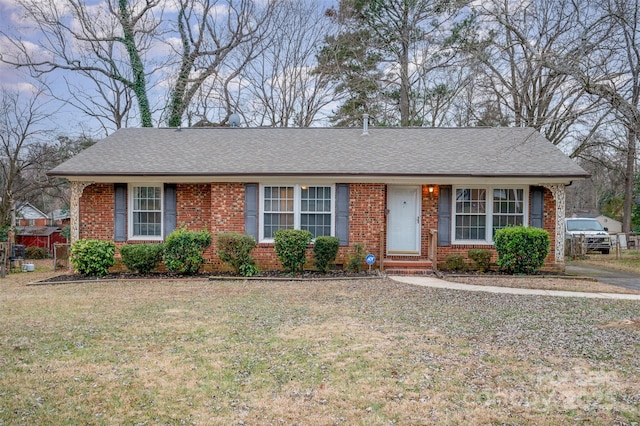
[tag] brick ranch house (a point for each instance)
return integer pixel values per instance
(411, 196)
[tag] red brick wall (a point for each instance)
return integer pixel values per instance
(96, 212)
(193, 206)
(219, 207)
(367, 221)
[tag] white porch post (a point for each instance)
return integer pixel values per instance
(559, 195)
(76, 192)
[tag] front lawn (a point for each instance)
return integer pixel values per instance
(333, 352)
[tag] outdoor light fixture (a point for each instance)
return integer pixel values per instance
(430, 190)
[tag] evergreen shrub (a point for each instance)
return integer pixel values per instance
(183, 250)
(521, 250)
(93, 257)
(291, 248)
(481, 259)
(141, 258)
(325, 250)
(235, 250)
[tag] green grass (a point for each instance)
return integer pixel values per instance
(357, 352)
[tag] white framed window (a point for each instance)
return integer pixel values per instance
(308, 207)
(480, 211)
(145, 212)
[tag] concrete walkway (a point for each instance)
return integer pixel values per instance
(438, 283)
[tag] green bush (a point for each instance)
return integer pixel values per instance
(481, 259)
(183, 250)
(291, 248)
(454, 262)
(141, 258)
(93, 257)
(521, 250)
(235, 250)
(66, 232)
(325, 250)
(36, 253)
(4, 233)
(355, 261)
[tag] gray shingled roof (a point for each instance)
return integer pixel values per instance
(432, 152)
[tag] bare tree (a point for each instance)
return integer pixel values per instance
(604, 58)
(23, 128)
(117, 45)
(108, 101)
(101, 42)
(210, 30)
(515, 36)
(283, 87)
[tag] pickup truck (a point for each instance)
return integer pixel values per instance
(595, 235)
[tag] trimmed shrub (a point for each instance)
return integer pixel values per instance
(355, 261)
(235, 250)
(183, 250)
(454, 262)
(93, 257)
(141, 258)
(291, 247)
(325, 250)
(481, 259)
(36, 253)
(521, 250)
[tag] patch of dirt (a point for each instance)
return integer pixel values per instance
(306, 275)
(627, 324)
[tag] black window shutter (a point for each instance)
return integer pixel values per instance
(120, 212)
(537, 207)
(444, 216)
(342, 213)
(170, 210)
(251, 210)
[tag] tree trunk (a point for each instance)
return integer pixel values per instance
(629, 181)
(139, 80)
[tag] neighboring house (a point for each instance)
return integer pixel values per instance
(61, 217)
(411, 196)
(39, 236)
(612, 225)
(29, 215)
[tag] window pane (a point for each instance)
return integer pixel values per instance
(147, 211)
(508, 208)
(276, 221)
(318, 224)
(315, 208)
(470, 214)
(278, 209)
(312, 211)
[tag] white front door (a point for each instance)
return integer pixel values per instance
(403, 220)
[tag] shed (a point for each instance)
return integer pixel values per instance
(39, 236)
